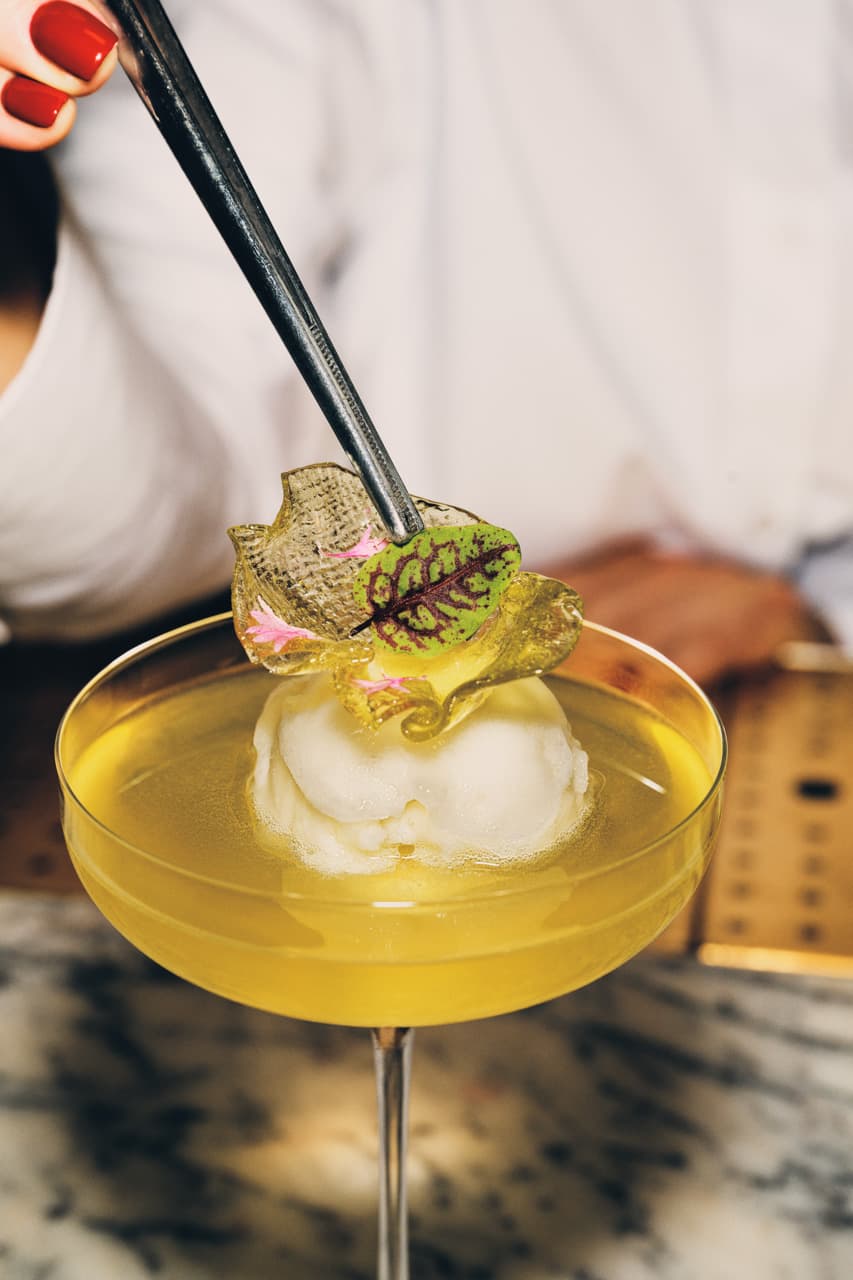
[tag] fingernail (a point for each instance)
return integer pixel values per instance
(33, 102)
(71, 37)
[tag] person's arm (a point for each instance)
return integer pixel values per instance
(156, 405)
(97, 441)
(112, 485)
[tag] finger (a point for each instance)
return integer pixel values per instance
(745, 633)
(66, 46)
(778, 621)
(706, 598)
(32, 115)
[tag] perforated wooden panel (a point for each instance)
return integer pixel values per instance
(779, 893)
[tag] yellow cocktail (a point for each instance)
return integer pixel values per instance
(155, 758)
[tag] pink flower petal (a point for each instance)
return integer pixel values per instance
(271, 629)
(388, 682)
(366, 546)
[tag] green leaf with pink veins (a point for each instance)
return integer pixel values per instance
(438, 589)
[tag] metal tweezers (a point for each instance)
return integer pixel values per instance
(160, 71)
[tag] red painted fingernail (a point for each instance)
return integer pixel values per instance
(71, 37)
(33, 102)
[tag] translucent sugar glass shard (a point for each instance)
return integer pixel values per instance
(420, 631)
(299, 571)
(536, 626)
(374, 700)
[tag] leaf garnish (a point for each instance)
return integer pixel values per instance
(438, 588)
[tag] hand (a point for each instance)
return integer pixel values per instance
(50, 54)
(712, 617)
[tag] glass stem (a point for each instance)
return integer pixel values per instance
(392, 1055)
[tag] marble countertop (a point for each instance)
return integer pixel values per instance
(670, 1122)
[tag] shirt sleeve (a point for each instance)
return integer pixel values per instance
(113, 487)
(825, 577)
(158, 406)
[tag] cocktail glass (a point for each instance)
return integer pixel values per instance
(154, 758)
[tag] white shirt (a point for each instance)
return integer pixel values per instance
(590, 265)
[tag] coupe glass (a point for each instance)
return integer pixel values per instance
(234, 916)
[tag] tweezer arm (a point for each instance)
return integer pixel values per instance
(160, 71)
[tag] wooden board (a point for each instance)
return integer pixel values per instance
(779, 893)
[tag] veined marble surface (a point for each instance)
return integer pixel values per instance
(668, 1122)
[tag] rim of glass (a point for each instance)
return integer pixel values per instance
(146, 647)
